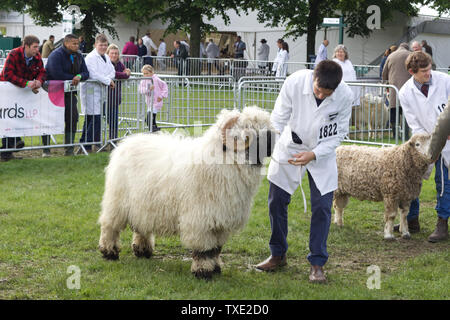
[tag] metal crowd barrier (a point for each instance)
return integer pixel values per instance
(372, 122)
(107, 115)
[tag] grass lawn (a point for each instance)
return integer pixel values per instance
(48, 222)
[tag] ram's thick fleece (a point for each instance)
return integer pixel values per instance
(161, 184)
(392, 175)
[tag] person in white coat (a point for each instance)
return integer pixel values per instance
(94, 94)
(340, 56)
(312, 112)
(212, 53)
(283, 58)
(162, 53)
(263, 54)
(423, 97)
(278, 57)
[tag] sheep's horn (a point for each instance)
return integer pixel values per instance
(440, 133)
(228, 125)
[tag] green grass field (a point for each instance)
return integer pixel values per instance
(48, 222)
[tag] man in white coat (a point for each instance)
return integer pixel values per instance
(212, 52)
(312, 112)
(162, 53)
(94, 94)
(263, 54)
(423, 97)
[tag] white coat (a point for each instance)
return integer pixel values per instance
(320, 128)
(279, 65)
(421, 112)
(349, 74)
(93, 94)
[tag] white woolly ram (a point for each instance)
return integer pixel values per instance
(200, 188)
(392, 175)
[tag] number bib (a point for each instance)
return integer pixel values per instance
(329, 128)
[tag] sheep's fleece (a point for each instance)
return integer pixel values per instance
(392, 175)
(161, 184)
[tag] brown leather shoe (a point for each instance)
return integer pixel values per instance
(413, 226)
(272, 263)
(441, 231)
(316, 275)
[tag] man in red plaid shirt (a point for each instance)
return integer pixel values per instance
(23, 68)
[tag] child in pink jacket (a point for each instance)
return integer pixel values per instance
(160, 91)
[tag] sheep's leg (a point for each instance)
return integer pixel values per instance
(404, 209)
(143, 246)
(389, 216)
(204, 263)
(109, 244)
(339, 203)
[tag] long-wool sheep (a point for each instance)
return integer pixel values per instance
(200, 188)
(392, 175)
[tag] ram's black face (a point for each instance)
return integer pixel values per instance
(262, 147)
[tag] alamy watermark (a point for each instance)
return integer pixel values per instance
(374, 20)
(374, 280)
(74, 281)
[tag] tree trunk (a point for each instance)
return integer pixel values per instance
(196, 20)
(88, 31)
(312, 29)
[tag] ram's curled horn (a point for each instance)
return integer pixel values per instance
(440, 133)
(228, 125)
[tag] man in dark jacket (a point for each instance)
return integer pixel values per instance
(180, 55)
(23, 68)
(67, 63)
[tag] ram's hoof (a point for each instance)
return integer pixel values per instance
(110, 255)
(217, 270)
(142, 252)
(204, 274)
(406, 236)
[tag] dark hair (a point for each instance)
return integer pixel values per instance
(70, 37)
(51, 36)
(132, 39)
(280, 40)
(162, 40)
(29, 40)
(328, 74)
(285, 46)
(417, 60)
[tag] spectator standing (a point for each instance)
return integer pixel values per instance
(24, 68)
(82, 44)
(162, 53)
(309, 101)
(423, 97)
(67, 63)
(283, 58)
(188, 47)
(321, 52)
(115, 94)
(148, 42)
(278, 57)
(263, 54)
(395, 73)
(340, 56)
(160, 91)
(427, 48)
(48, 47)
(416, 46)
(239, 48)
(383, 60)
(180, 55)
(212, 53)
(93, 94)
(142, 49)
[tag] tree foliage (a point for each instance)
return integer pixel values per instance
(305, 16)
(97, 14)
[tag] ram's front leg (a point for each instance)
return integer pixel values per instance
(390, 212)
(206, 263)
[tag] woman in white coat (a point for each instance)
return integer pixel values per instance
(312, 113)
(94, 94)
(280, 66)
(340, 56)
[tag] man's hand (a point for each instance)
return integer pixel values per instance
(159, 99)
(112, 85)
(31, 84)
(76, 80)
(38, 84)
(127, 71)
(302, 158)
